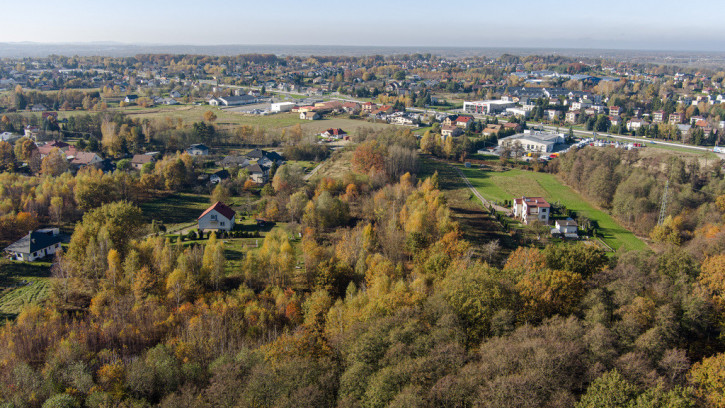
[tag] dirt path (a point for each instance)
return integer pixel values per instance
(478, 195)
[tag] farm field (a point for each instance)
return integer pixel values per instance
(22, 284)
(500, 186)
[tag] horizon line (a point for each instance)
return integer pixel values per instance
(460, 47)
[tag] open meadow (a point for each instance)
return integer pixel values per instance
(22, 284)
(500, 186)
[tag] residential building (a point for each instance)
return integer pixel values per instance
(615, 110)
(220, 175)
(448, 130)
(257, 173)
(36, 245)
(351, 107)
(334, 133)
(32, 132)
(552, 114)
(138, 160)
(635, 124)
(463, 121)
(568, 228)
(309, 116)
(368, 107)
(9, 137)
(529, 209)
(130, 98)
(82, 159)
(491, 129)
(572, 116)
(659, 116)
(676, 118)
(198, 149)
(218, 217)
(581, 105)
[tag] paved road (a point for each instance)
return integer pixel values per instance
(312, 173)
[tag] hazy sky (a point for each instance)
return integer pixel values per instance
(649, 24)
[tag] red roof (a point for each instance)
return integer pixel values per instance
(463, 119)
(221, 208)
(536, 202)
(335, 132)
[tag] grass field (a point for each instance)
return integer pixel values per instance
(176, 209)
(478, 226)
(500, 186)
(22, 284)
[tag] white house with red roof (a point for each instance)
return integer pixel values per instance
(529, 209)
(464, 121)
(218, 217)
(336, 133)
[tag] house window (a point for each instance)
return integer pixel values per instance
(213, 217)
(221, 223)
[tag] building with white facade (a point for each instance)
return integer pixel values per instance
(282, 107)
(487, 107)
(533, 141)
(218, 217)
(36, 245)
(529, 209)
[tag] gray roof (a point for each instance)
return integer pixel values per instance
(255, 168)
(240, 161)
(34, 241)
(539, 137)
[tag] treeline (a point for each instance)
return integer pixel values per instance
(28, 201)
(369, 297)
(632, 186)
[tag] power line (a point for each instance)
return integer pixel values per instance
(663, 206)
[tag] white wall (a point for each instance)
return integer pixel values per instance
(213, 221)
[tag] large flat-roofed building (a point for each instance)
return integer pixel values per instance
(533, 141)
(487, 107)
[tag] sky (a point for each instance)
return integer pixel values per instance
(613, 24)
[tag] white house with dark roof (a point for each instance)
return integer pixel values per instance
(568, 228)
(36, 245)
(198, 149)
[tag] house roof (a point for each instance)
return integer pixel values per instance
(221, 208)
(335, 132)
(234, 160)
(142, 158)
(256, 154)
(222, 174)
(536, 202)
(199, 146)
(255, 168)
(567, 223)
(84, 157)
(464, 119)
(34, 241)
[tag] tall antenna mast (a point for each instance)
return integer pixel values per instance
(663, 206)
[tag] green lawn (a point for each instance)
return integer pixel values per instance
(499, 186)
(176, 209)
(22, 283)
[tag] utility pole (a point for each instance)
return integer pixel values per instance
(663, 206)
